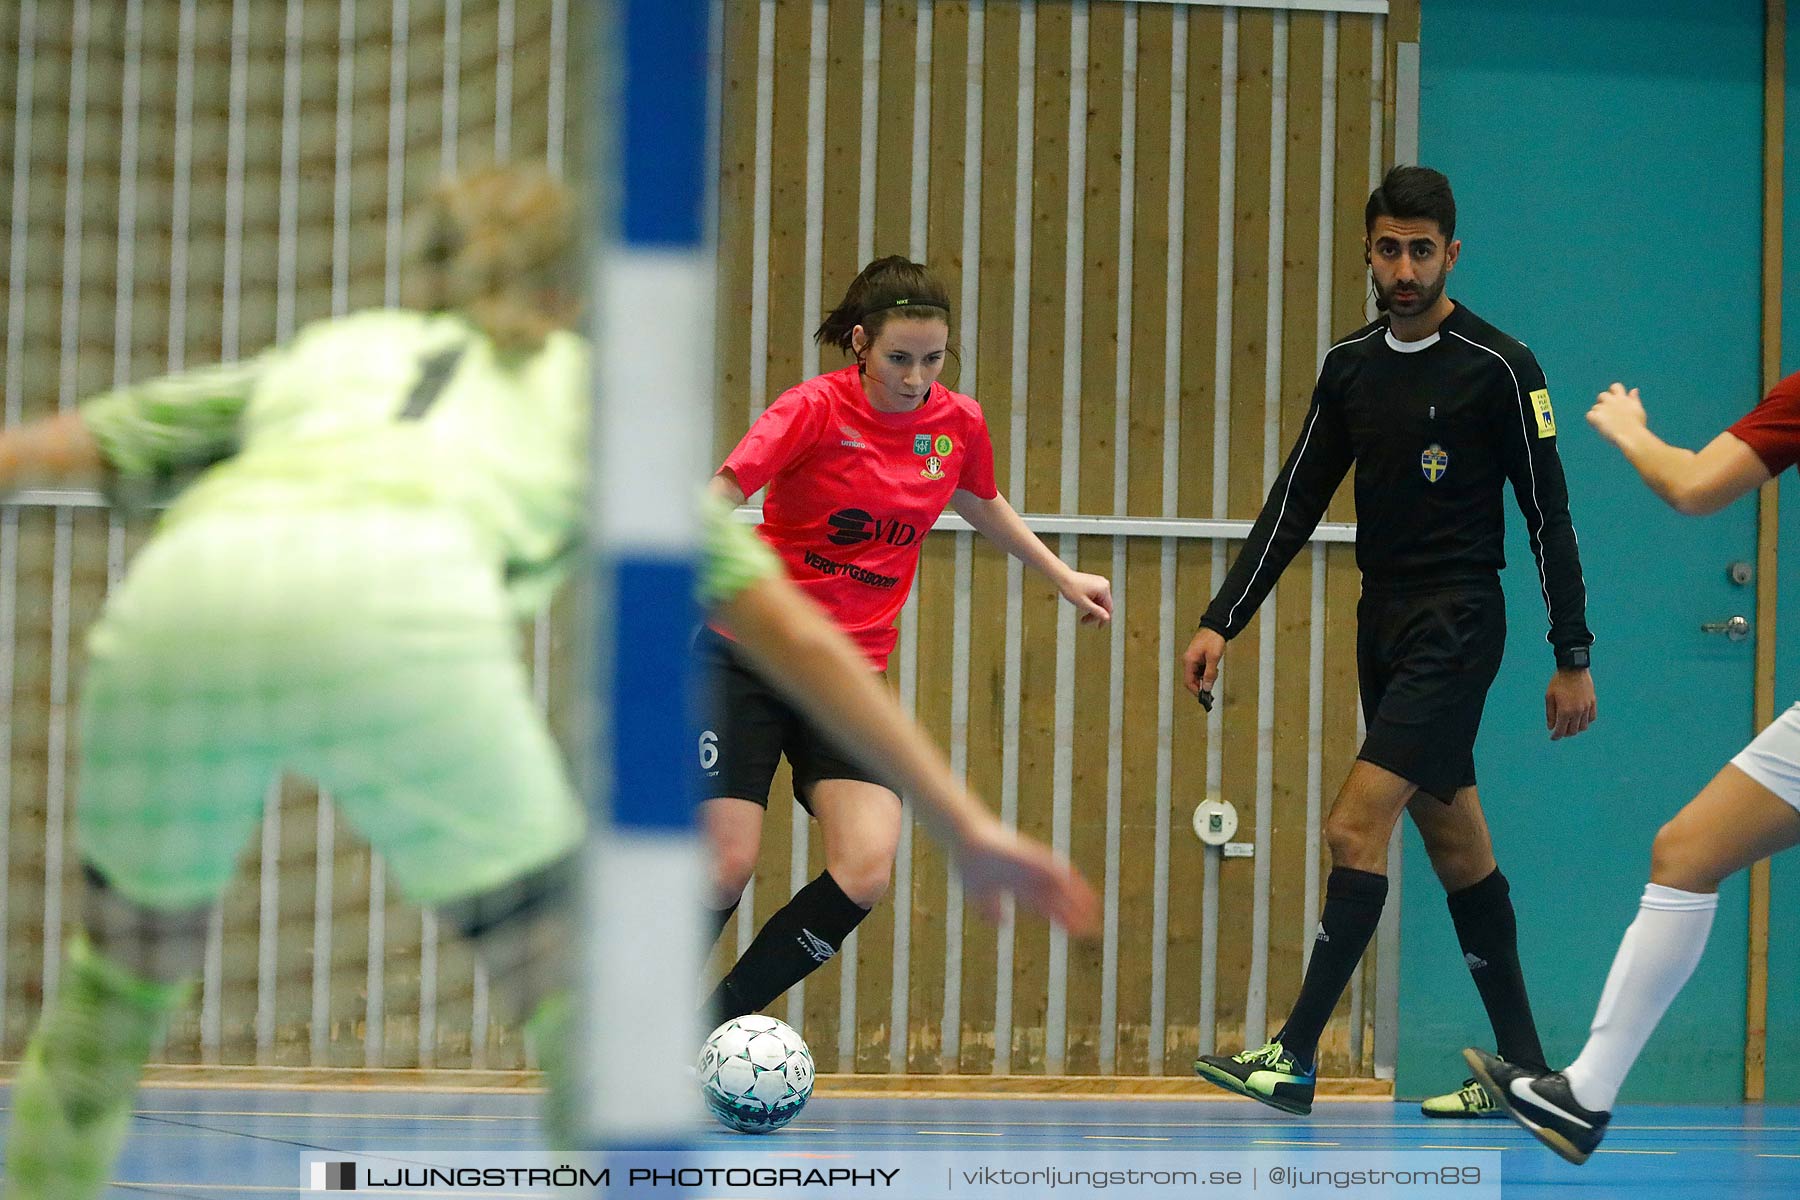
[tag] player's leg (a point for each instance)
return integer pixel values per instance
(435, 752)
(1424, 663)
(1281, 1074)
(1362, 818)
(170, 789)
(859, 823)
(739, 750)
(1446, 648)
(1746, 813)
(733, 830)
(1733, 822)
(523, 932)
(1479, 897)
(168, 798)
(1357, 831)
(122, 979)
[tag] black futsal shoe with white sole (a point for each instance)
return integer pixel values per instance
(1543, 1104)
(1269, 1075)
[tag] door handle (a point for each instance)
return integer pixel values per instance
(1736, 628)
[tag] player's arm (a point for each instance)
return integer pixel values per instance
(56, 451)
(996, 520)
(1526, 435)
(724, 485)
(1317, 464)
(160, 427)
(1692, 482)
(1525, 431)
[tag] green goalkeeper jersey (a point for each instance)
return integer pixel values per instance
(383, 408)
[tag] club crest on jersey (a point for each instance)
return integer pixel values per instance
(934, 468)
(1434, 462)
(921, 443)
(942, 444)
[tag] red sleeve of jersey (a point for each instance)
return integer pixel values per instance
(786, 430)
(977, 475)
(1772, 428)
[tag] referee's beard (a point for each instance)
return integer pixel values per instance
(1418, 299)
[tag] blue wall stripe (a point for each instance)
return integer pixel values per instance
(649, 690)
(663, 151)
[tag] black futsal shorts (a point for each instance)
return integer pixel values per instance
(750, 726)
(1426, 661)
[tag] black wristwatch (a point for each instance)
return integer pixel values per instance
(1572, 658)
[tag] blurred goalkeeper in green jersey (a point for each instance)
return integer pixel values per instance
(338, 595)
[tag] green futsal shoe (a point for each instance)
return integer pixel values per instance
(1270, 1076)
(1466, 1103)
(53, 1154)
(72, 1096)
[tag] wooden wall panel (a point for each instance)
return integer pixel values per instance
(1290, 921)
(787, 195)
(1198, 372)
(1140, 611)
(987, 678)
(991, 333)
(933, 915)
(1099, 196)
(1240, 682)
(992, 330)
(737, 202)
(1043, 492)
(1187, 858)
(1139, 589)
(930, 872)
(1088, 834)
(1019, 43)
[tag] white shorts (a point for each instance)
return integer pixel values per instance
(1773, 759)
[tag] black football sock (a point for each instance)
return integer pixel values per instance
(1489, 933)
(797, 941)
(1353, 901)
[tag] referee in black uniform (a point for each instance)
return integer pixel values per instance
(1437, 409)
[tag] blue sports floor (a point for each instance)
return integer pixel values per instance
(207, 1143)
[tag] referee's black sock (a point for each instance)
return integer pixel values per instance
(1353, 901)
(797, 941)
(1489, 934)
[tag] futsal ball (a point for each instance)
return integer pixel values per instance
(755, 1073)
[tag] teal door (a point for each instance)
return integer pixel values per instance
(1607, 164)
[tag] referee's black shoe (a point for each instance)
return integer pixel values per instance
(1269, 1075)
(1543, 1104)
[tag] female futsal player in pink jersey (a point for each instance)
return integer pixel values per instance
(859, 463)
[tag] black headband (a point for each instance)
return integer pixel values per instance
(904, 302)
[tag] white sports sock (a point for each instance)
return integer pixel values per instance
(1657, 955)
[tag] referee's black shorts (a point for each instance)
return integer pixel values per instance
(1426, 660)
(749, 726)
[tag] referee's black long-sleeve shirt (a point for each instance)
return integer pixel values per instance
(1435, 427)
